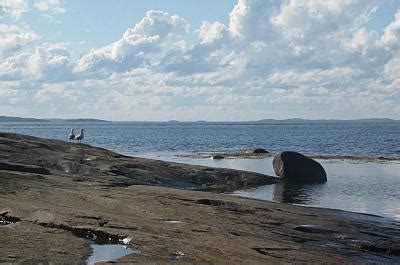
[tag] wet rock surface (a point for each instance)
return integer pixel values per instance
(120, 197)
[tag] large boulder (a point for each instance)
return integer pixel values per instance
(296, 167)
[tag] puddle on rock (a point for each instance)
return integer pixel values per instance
(109, 252)
(103, 251)
(104, 246)
(4, 222)
(108, 248)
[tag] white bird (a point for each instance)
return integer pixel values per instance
(71, 135)
(80, 137)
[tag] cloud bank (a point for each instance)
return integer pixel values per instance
(293, 58)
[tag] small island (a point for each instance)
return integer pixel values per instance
(85, 120)
(19, 119)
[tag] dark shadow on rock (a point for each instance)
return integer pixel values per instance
(23, 168)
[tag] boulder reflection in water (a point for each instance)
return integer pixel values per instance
(288, 192)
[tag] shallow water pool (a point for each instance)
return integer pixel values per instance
(359, 186)
(108, 252)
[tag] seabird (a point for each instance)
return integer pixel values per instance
(80, 137)
(71, 135)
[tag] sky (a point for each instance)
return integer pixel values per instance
(188, 60)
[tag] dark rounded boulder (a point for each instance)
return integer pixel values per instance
(296, 167)
(258, 151)
(217, 157)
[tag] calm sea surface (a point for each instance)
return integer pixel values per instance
(368, 187)
(358, 186)
(332, 139)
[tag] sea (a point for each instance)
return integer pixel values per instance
(366, 186)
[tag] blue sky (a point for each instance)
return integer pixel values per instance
(192, 60)
(98, 23)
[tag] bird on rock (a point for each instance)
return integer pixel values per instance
(80, 137)
(71, 135)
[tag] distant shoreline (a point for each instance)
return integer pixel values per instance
(19, 119)
(255, 122)
(85, 120)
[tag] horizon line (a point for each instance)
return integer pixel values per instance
(208, 121)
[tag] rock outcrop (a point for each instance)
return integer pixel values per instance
(95, 194)
(82, 162)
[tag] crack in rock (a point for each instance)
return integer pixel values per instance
(6, 219)
(98, 236)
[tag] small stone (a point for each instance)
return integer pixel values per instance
(258, 151)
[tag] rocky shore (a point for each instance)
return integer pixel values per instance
(54, 193)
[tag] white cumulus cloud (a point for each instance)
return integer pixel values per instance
(13, 8)
(154, 35)
(47, 62)
(13, 37)
(51, 6)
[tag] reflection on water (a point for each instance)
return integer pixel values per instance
(294, 192)
(367, 187)
(359, 186)
(104, 253)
